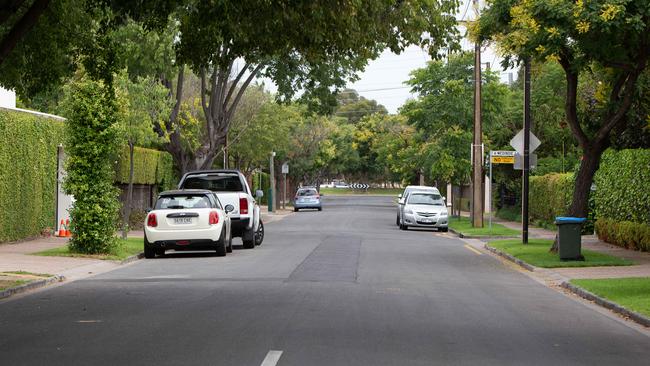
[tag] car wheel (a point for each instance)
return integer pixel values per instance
(403, 227)
(160, 252)
(320, 209)
(259, 236)
(248, 238)
(221, 245)
(397, 220)
(444, 229)
(295, 209)
(149, 252)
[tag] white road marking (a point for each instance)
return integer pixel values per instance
(166, 277)
(272, 358)
(89, 321)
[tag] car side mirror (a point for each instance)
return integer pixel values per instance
(399, 196)
(259, 193)
(148, 210)
(229, 208)
(444, 198)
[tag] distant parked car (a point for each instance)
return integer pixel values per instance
(191, 219)
(425, 209)
(307, 197)
(401, 198)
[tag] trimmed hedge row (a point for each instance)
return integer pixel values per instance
(149, 167)
(623, 186)
(550, 196)
(28, 150)
(631, 235)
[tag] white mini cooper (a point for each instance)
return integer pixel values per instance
(190, 219)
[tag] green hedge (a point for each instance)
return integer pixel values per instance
(550, 196)
(631, 235)
(28, 148)
(149, 167)
(623, 186)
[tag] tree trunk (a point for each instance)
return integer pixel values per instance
(129, 195)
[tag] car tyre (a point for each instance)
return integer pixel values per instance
(221, 245)
(149, 252)
(444, 229)
(403, 227)
(248, 238)
(320, 209)
(295, 209)
(160, 252)
(259, 235)
(397, 221)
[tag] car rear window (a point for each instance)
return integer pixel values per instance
(425, 199)
(307, 192)
(182, 201)
(215, 183)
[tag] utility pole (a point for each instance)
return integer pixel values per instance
(526, 168)
(272, 173)
(477, 145)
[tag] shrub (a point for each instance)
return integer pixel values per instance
(28, 153)
(630, 235)
(91, 148)
(623, 186)
(550, 196)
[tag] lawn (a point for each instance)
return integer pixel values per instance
(5, 284)
(371, 191)
(536, 252)
(464, 226)
(631, 293)
(125, 249)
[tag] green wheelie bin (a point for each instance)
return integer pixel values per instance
(569, 239)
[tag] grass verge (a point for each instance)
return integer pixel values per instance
(371, 191)
(11, 279)
(631, 293)
(464, 226)
(536, 252)
(124, 249)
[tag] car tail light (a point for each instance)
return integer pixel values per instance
(214, 218)
(152, 221)
(243, 206)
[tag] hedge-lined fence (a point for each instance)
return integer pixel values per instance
(28, 162)
(149, 167)
(28, 153)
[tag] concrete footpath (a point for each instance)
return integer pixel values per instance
(18, 256)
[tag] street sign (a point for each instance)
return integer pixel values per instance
(519, 161)
(518, 142)
(502, 157)
(285, 168)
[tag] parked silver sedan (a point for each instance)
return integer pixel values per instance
(307, 197)
(401, 198)
(425, 209)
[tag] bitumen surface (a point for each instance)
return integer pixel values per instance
(343, 286)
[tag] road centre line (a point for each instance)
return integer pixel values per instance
(472, 249)
(272, 358)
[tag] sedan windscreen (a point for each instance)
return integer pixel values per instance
(426, 199)
(182, 201)
(215, 183)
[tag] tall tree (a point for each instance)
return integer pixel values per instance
(610, 38)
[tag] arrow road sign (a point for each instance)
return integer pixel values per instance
(518, 142)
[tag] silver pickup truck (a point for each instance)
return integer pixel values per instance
(232, 189)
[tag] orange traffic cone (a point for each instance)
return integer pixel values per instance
(61, 230)
(67, 228)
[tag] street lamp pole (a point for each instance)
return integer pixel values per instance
(272, 178)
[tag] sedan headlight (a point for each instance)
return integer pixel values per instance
(408, 212)
(443, 213)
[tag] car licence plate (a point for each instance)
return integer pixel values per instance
(427, 221)
(182, 220)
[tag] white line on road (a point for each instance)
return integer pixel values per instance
(473, 250)
(272, 358)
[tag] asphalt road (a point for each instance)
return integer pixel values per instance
(339, 287)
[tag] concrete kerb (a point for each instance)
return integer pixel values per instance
(511, 258)
(132, 258)
(31, 286)
(641, 319)
(480, 237)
